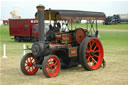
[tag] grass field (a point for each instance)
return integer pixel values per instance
(115, 45)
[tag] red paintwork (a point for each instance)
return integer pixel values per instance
(67, 38)
(28, 65)
(72, 51)
(52, 62)
(17, 27)
(94, 61)
(35, 31)
(5, 22)
(55, 46)
(79, 35)
(58, 35)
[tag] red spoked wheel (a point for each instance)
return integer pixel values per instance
(51, 66)
(27, 64)
(91, 53)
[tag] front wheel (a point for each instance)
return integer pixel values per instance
(27, 64)
(51, 66)
(91, 53)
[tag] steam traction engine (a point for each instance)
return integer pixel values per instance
(64, 49)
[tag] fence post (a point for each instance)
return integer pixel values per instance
(4, 51)
(24, 47)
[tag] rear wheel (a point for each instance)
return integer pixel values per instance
(27, 64)
(51, 66)
(91, 53)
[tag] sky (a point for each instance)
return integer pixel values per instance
(27, 8)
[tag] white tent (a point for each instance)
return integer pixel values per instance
(1, 22)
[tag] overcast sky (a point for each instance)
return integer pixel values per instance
(27, 8)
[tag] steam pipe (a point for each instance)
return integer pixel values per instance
(40, 9)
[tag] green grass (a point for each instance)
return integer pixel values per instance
(115, 46)
(101, 26)
(114, 41)
(12, 46)
(116, 26)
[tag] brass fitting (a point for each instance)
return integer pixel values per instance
(40, 7)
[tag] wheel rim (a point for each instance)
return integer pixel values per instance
(52, 66)
(94, 54)
(29, 65)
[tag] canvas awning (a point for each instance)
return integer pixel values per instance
(72, 14)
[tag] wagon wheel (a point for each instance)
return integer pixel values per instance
(91, 53)
(17, 39)
(27, 64)
(51, 66)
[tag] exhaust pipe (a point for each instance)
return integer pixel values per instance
(40, 15)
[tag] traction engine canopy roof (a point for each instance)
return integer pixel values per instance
(72, 14)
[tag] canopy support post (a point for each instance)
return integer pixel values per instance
(87, 24)
(96, 29)
(71, 24)
(50, 17)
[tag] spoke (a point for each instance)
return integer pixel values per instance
(87, 52)
(55, 63)
(95, 47)
(52, 62)
(31, 59)
(51, 71)
(54, 70)
(55, 67)
(32, 68)
(96, 56)
(25, 65)
(47, 69)
(92, 43)
(90, 46)
(96, 51)
(28, 68)
(26, 61)
(88, 59)
(94, 60)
